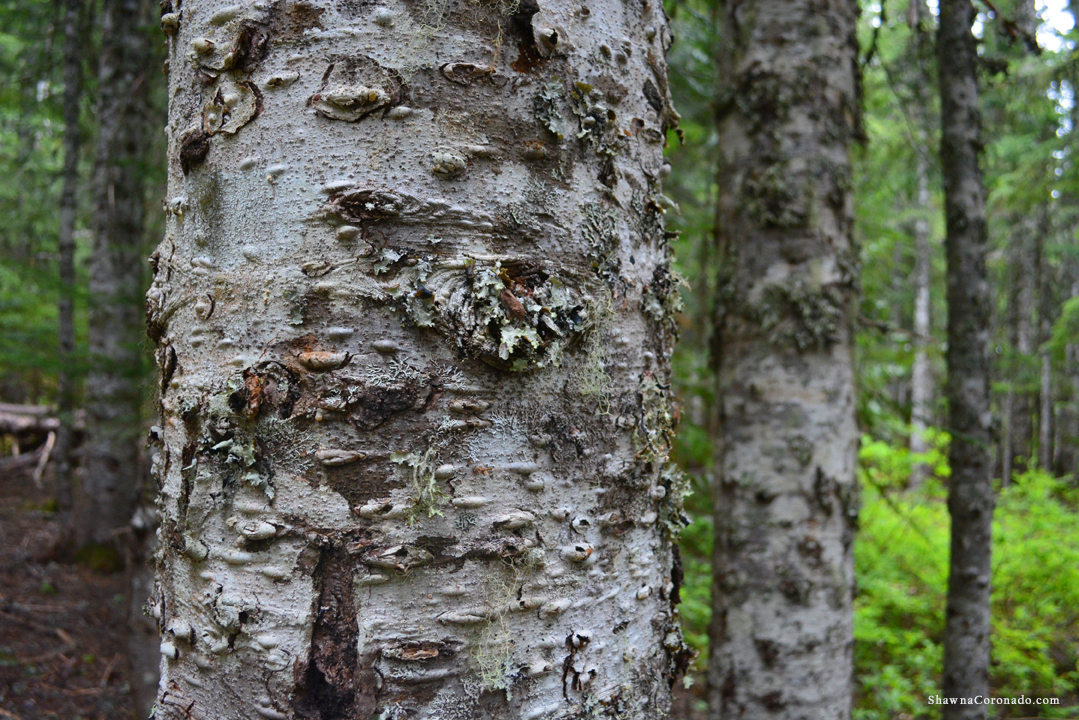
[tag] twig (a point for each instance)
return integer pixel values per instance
(44, 458)
(108, 671)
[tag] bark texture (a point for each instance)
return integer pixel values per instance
(67, 381)
(786, 495)
(117, 269)
(413, 315)
(970, 496)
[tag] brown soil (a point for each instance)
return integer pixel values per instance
(63, 652)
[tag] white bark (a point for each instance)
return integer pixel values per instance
(413, 318)
(921, 381)
(785, 492)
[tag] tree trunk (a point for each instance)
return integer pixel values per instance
(786, 496)
(67, 379)
(1067, 445)
(113, 395)
(970, 496)
(413, 313)
(921, 382)
(1045, 422)
(1023, 312)
(1045, 281)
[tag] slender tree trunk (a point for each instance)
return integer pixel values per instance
(113, 393)
(1046, 422)
(970, 496)
(1006, 455)
(921, 381)
(1067, 447)
(785, 497)
(900, 386)
(413, 312)
(67, 380)
(1023, 314)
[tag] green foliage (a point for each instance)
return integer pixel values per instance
(31, 159)
(1065, 330)
(696, 608)
(902, 567)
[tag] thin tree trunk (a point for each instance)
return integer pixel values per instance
(1068, 446)
(785, 497)
(413, 312)
(1024, 315)
(67, 378)
(113, 394)
(1046, 422)
(921, 374)
(970, 495)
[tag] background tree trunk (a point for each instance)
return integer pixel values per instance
(970, 496)
(113, 388)
(786, 496)
(74, 43)
(1023, 317)
(413, 313)
(1045, 278)
(921, 381)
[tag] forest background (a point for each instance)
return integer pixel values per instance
(1030, 69)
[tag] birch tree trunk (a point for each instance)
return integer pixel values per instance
(970, 495)
(918, 62)
(113, 392)
(67, 382)
(921, 381)
(786, 496)
(413, 315)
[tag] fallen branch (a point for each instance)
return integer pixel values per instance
(45, 452)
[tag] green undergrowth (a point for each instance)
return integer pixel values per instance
(901, 559)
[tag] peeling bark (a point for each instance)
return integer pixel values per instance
(785, 496)
(970, 495)
(413, 313)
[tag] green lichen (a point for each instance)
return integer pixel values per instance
(515, 317)
(662, 298)
(511, 336)
(673, 516)
(428, 494)
(493, 652)
(654, 432)
(775, 197)
(297, 306)
(546, 106)
(596, 122)
(591, 376)
(394, 374)
(796, 313)
(600, 232)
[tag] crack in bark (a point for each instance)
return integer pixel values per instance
(335, 682)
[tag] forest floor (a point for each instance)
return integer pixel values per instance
(63, 654)
(63, 629)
